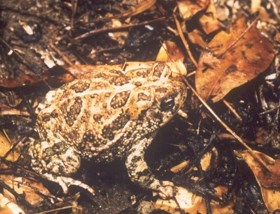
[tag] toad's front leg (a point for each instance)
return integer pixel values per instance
(140, 173)
(55, 161)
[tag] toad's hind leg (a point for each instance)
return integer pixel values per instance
(56, 161)
(140, 173)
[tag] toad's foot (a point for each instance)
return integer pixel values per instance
(56, 161)
(140, 173)
(66, 182)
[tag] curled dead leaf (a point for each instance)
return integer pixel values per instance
(232, 59)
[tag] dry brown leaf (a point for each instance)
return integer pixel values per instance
(5, 146)
(277, 37)
(8, 207)
(195, 37)
(32, 190)
(21, 80)
(191, 204)
(268, 181)
(233, 59)
(187, 202)
(188, 8)
(169, 52)
(209, 21)
(255, 5)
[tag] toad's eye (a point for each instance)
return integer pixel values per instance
(167, 104)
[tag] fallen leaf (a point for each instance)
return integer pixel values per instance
(255, 6)
(268, 180)
(169, 52)
(231, 60)
(209, 21)
(188, 202)
(196, 37)
(5, 146)
(188, 8)
(9, 207)
(33, 191)
(277, 37)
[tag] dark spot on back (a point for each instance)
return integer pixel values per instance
(120, 99)
(88, 137)
(107, 133)
(74, 111)
(161, 90)
(142, 73)
(97, 117)
(144, 97)
(118, 80)
(80, 86)
(231, 69)
(120, 121)
(158, 69)
(45, 117)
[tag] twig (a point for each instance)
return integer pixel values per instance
(238, 38)
(104, 30)
(74, 4)
(180, 32)
(65, 58)
(227, 104)
(239, 139)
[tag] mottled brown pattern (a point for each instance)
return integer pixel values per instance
(118, 80)
(97, 117)
(120, 121)
(120, 99)
(106, 115)
(74, 111)
(158, 69)
(107, 132)
(88, 137)
(161, 90)
(144, 97)
(45, 117)
(142, 73)
(80, 86)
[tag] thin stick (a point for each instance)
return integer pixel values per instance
(230, 107)
(239, 139)
(238, 38)
(65, 58)
(187, 47)
(104, 30)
